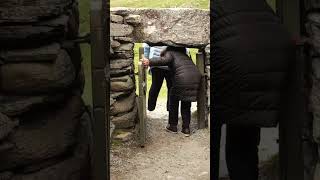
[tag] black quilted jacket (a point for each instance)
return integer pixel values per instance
(250, 63)
(185, 75)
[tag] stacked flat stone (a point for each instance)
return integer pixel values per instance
(43, 121)
(123, 109)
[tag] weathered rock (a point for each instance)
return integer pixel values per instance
(120, 29)
(121, 94)
(124, 39)
(38, 33)
(124, 83)
(74, 167)
(31, 10)
(133, 19)
(116, 18)
(121, 72)
(126, 120)
(111, 51)
(36, 139)
(42, 54)
(172, 26)
(30, 78)
(16, 105)
(115, 44)
(123, 105)
(123, 55)
(123, 136)
(120, 63)
(125, 47)
(6, 126)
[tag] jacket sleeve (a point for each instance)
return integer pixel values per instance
(164, 60)
(146, 50)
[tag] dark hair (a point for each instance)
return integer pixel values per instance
(174, 48)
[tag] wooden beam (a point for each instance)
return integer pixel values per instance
(99, 27)
(142, 99)
(201, 102)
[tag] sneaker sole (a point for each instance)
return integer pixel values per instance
(171, 131)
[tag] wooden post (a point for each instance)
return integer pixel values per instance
(201, 102)
(99, 27)
(142, 100)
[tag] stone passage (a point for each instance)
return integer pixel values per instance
(43, 120)
(178, 27)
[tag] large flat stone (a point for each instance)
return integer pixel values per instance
(126, 120)
(170, 26)
(120, 29)
(124, 83)
(123, 105)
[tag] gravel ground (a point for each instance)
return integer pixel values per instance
(165, 155)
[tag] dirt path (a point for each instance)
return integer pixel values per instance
(166, 155)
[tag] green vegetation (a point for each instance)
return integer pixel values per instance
(203, 4)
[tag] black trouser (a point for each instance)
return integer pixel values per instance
(242, 152)
(157, 79)
(174, 109)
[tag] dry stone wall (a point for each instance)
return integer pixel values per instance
(178, 27)
(43, 120)
(123, 110)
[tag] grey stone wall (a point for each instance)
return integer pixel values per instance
(43, 131)
(123, 109)
(178, 27)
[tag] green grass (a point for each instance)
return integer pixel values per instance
(203, 4)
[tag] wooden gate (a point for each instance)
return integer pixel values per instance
(141, 100)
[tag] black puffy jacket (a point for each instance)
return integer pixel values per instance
(250, 58)
(185, 75)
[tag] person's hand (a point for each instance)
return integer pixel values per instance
(145, 62)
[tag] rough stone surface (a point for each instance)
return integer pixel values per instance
(37, 139)
(74, 167)
(123, 55)
(115, 44)
(31, 10)
(16, 105)
(125, 121)
(120, 29)
(124, 83)
(124, 39)
(175, 26)
(27, 78)
(133, 19)
(121, 94)
(123, 105)
(42, 54)
(37, 33)
(6, 126)
(116, 18)
(120, 63)
(124, 47)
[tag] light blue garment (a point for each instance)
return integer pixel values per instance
(154, 52)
